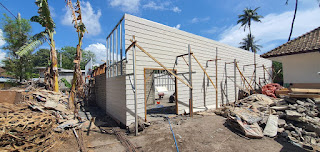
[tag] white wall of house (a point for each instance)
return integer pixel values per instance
(165, 43)
(300, 68)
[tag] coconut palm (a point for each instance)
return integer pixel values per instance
(294, 17)
(45, 20)
(249, 43)
(245, 21)
(247, 16)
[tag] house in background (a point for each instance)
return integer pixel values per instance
(300, 60)
(63, 73)
(4, 78)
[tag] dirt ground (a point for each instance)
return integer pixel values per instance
(203, 133)
(200, 133)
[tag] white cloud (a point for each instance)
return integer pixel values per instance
(212, 30)
(52, 11)
(99, 50)
(161, 5)
(274, 27)
(153, 5)
(2, 42)
(197, 20)
(176, 9)
(2, 56)
(177, 26)
(89, 16)
(131, 6)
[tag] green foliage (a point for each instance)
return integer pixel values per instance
(41, 58)
(245, 20)
(32, 44)
(66, 83)
(249, 43)
(277, 72)
(68, 54)
(45, 20)
(247, 16)
(16, 33)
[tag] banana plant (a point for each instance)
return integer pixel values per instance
(45, 20)
(77, 81)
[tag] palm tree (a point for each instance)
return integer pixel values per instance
(245, 20)
(77, 81)
(294, 17)
(249, 43)
(247, 16)
(45, 20)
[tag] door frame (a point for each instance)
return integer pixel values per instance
(145, 89)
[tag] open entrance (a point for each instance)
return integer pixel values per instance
(160, 93)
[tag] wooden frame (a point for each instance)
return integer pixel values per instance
(145, 89)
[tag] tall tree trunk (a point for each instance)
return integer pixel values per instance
(77, 80)
(254, 57)
(294, 17)
(54, 64)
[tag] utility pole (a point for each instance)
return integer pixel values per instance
(60, 60)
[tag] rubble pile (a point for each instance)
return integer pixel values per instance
(259, 115)
(33, 125)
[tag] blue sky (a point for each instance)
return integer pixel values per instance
(214, 19)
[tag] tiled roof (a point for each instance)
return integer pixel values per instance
(309, 42)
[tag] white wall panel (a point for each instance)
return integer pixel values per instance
(165, 43)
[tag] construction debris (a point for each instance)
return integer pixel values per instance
(294, 119)
(33, 125)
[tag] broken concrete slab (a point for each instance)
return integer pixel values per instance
(280, 108)
(272, 126)
(300, 102)
(282, 123)
(291, 113)
(247, 115)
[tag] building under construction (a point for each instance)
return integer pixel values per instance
(150, 64)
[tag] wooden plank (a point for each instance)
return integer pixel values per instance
(301, 95)
(204, 71)
(302, 90)
(243, 76)
(306, 85)
(144, 51)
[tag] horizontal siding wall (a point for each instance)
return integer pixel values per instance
(116, 98)
(165, 43)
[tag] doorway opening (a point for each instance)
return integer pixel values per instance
(160, 91)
